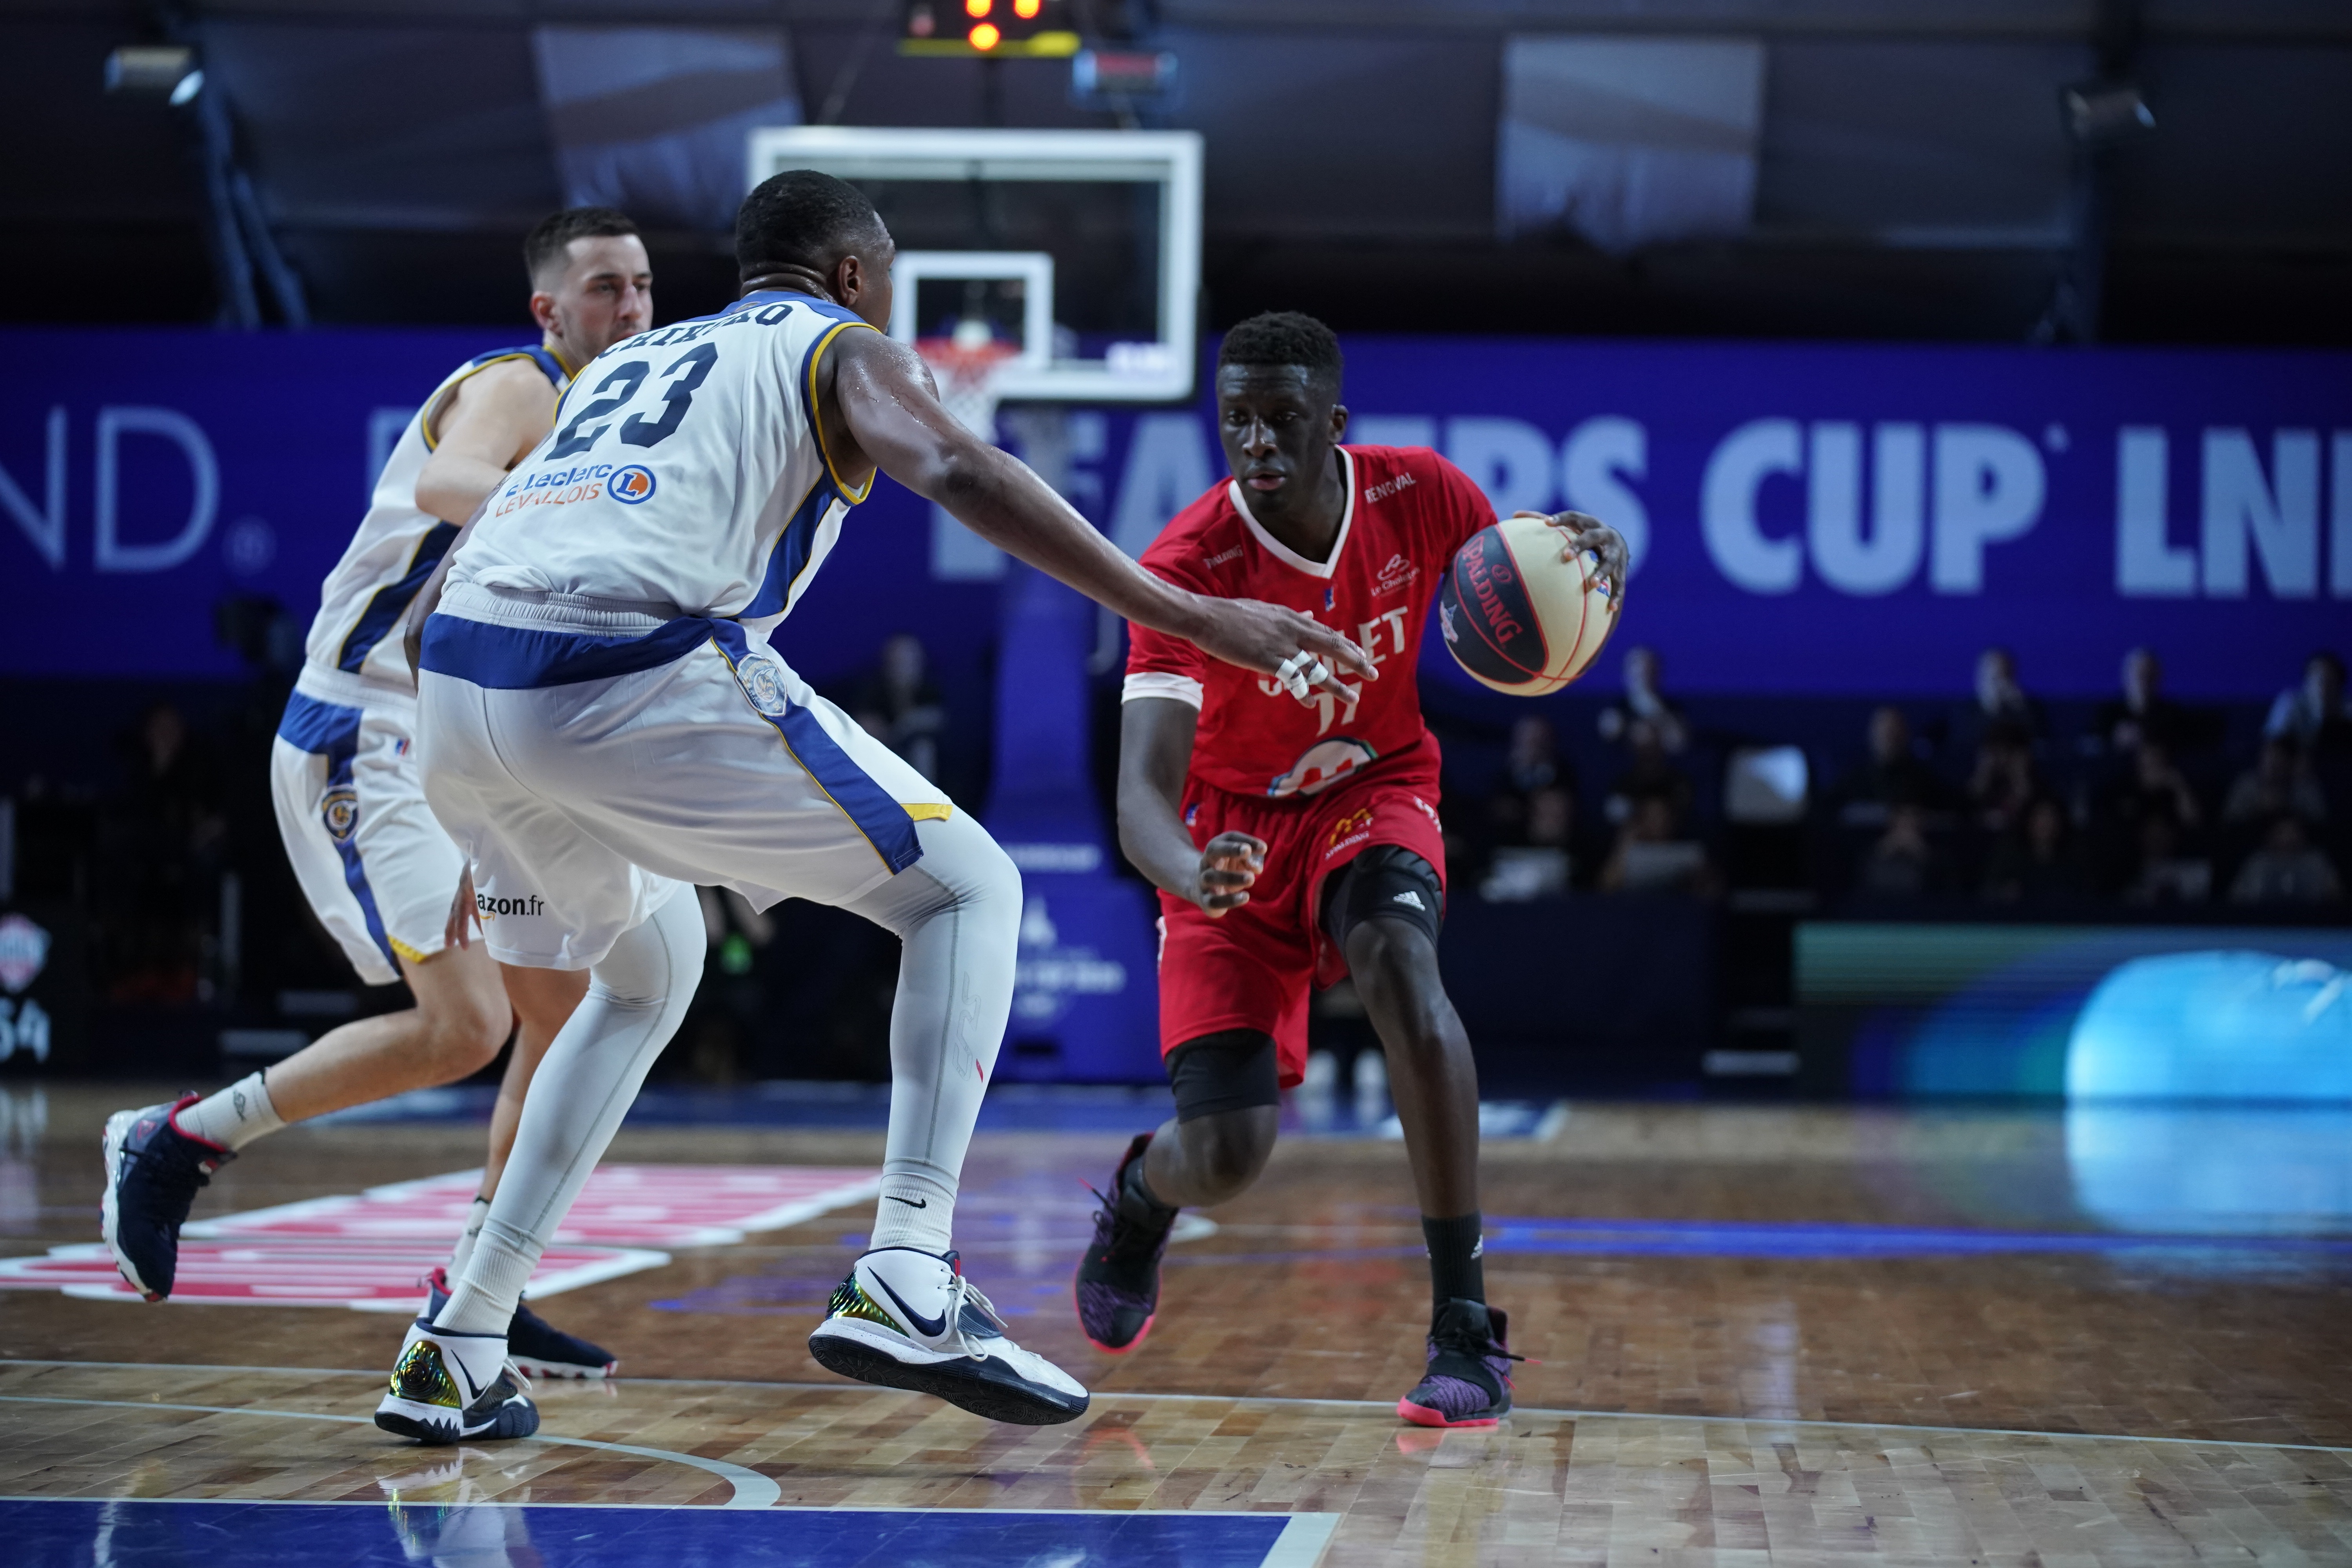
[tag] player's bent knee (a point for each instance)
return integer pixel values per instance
(464, 1037)
(1226, 1152)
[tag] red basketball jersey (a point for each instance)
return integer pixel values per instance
(1408, 511)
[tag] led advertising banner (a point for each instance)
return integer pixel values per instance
(1807, 519)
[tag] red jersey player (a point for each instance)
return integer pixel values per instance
(1295, 839)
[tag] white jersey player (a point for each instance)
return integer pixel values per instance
(376, 868)
(604, 719)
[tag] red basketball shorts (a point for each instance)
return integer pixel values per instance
(1255, 967)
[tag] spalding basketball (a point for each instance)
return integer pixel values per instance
(1517, 618)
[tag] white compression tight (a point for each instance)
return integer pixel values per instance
(636, 997)
(958, 910)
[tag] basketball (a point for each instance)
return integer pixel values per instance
(1517, 618)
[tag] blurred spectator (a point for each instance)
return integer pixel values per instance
(2038, 866)
(1540, 865)
(1534, 764)
(1904, 863)
(1646, 702)
(2000, 704)
(2289, 868)
(899, 705)
(1892, 775)
(2143, 712)
(2156, 783)
(2161, 873)
(1650, 774)
(160, 848)
(2316, 714)
(1653, 857)
(2004, 782)
(2280, 783)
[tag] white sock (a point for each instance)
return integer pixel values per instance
(234, 1117)
(914, 1210)
(483, 1302)
(464, 1251)
(637, 998)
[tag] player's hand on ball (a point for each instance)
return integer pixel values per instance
(1588, 533)
(1270, 640)
(1229, 864)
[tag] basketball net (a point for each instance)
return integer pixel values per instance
(968, 367)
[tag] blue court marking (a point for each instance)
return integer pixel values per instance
(169, 1532)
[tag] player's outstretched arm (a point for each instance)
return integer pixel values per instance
(881, 407)
(1155, 751)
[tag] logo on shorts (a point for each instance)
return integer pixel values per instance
(340, 809)
(1324, 765)
(1354, 822)
(24, 949)
(763, 680)
(632, 486)
(488, 908)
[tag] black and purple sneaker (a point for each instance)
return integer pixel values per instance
(1468, 1382)
(1119, 1280)
(153, 1172)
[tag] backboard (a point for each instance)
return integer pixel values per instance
(1080, 250)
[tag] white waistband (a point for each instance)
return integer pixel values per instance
(346, 690)
(529, 610)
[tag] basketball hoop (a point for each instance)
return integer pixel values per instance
(968, 367)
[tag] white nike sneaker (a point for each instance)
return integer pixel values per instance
(906, 1319)
(448, 1387)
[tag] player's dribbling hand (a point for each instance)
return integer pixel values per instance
(1588, 533)
(1229, 864)
(1265, 637)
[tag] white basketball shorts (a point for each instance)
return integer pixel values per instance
(591, 761)
(378, 871)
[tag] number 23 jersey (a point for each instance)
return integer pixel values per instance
(685, 469)
(1408, 511)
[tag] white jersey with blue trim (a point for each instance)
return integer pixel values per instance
(395, 550)
(686, 472)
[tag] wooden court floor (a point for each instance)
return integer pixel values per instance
(1758, 1336)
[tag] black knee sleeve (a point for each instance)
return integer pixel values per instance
(1389, 881)
(1217, 1073)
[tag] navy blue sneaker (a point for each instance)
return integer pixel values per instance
(534, 1345)
(153, 1172)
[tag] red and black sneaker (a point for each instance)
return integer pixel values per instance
(1468, 1382)
(1119, 1280)
(153, 1172)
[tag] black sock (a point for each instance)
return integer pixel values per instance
(1140, 1202)
(1456, 1270)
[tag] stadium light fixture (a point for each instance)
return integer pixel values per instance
(988, 30)
(2101, 113)
(168, 71)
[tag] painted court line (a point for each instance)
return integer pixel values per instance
(752, 1489)
(672, 1507)
(1236, 1399)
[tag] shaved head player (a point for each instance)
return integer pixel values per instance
(604, 719)
(375, 867)
(1297, 841)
